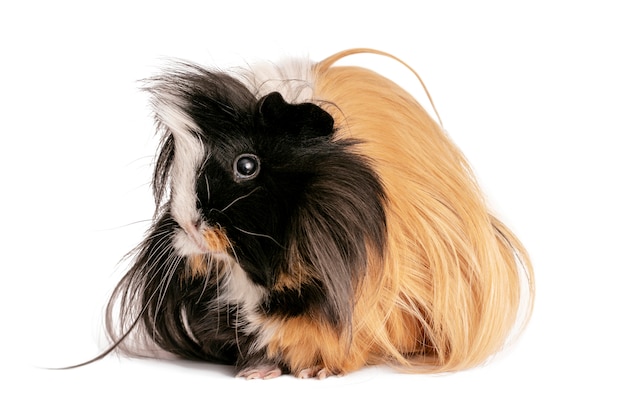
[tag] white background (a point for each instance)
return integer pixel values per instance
(533, 92)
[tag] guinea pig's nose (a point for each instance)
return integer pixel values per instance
(192, 230)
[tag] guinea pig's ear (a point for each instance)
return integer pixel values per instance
(305, 119)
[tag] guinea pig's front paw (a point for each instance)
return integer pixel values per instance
(260, 372)
(316, 372)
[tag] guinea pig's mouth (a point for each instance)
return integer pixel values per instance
(194, 240)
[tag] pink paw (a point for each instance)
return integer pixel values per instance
(260, 372)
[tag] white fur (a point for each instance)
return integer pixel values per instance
(241, 291)
(292, 78)
(189, 153)
(185, 245)
(265, 332)
(237, 289)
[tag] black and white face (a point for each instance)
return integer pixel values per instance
(238, 169)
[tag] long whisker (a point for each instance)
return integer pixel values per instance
(259, 235)
(172, 263)
(159, 252)
(248, 233)
(217, 299)
(237, 330)
(208, 189)
(125, 225)
(211, 265)
(239, 199)
(232, 250)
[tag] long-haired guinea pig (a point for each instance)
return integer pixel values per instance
(313, 219)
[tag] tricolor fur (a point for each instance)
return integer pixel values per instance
(314, 221)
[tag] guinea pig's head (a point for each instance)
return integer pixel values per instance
(262, 181)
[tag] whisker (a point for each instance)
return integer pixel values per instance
(237, 330)
(157, 235)
(165, 260)
(217, 301)
(239, 199)
(232, 250)
(163, 287)
(124, 225)
(210, 265)
(247, 232)
(172, 263)
(146, 277)
(259, 235)
(158, 253)
(208, 189)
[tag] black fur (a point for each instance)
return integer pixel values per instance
(315, 210)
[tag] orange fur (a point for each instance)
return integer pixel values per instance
(216, 239)
(305, 342)
(197, 266)
(449, 292)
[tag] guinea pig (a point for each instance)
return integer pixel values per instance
(312, 219)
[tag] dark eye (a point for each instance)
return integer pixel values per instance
(246, 166)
